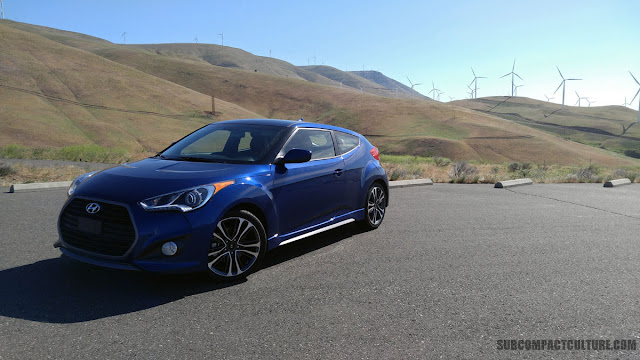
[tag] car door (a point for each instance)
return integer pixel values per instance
(309, 193)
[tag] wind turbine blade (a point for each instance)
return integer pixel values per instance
(634, 97)
(482, 77)
(558, 87)
(417, 84)
(505, 75)
(518, 76)
(559, 72)
(577, 102)
(574, 79)
(474, 73)
(472, 81)
(577, 94)
(634, 78)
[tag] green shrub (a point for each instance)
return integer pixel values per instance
(6, 170)
(87, 153)
(441, 161)
(461, 171)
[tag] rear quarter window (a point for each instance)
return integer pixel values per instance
(346, 142)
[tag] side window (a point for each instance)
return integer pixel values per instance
(346, 142)
(319, 142)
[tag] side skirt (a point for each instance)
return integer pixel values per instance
(310, 231)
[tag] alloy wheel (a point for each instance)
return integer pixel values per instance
(236, 247)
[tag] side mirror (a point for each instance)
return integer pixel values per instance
(294, 156)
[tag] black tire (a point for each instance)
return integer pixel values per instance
(237, 246)
(374, 207)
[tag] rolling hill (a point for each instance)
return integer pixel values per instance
(48, 71)
(178, 79)
(608, 127)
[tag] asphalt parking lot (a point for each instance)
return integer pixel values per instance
(452, 270)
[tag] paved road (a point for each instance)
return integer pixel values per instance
(453, 269)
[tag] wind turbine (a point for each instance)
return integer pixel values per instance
(412, 84)
(548, 98)
(470, 92)
(222, 38)
(451, 98)
(579, 98)
(589, 101)
(361, 88)
(434, 91)
(512, 73)
(636, 95)
(516, 89)
(563, 84)
(625, 102)
(124, 36)
(475, 80)
(439, 93)
(195, 39)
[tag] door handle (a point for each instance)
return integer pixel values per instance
(338, 172)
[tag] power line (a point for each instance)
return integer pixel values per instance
(55, 98)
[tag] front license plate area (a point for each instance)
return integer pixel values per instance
(89, 225)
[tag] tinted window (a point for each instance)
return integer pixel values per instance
(234, 143)
(346, 142)
(319, 142)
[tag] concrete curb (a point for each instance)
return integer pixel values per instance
(617, 182)
(15, 188)
(511, 183)
(409, 183)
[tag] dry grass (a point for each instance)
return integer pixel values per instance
(411, 167)
(24, 174)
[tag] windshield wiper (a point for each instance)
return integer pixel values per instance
(192, 158)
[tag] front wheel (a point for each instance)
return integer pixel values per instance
(237, 246)
(375, 207)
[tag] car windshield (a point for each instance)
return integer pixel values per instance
(228, 143)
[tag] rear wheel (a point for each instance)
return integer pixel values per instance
(237, 246)
(375, 207)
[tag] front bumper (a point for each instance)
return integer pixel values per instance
(190, 231)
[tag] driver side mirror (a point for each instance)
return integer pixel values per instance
(294, 156)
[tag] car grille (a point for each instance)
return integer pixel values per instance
(111, 231)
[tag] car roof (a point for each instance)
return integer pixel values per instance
(286, 123)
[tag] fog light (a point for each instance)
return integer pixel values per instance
(169, 248)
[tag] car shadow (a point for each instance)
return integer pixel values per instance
(313, 243)
(62, 290)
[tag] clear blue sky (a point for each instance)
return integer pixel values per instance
(426, 41)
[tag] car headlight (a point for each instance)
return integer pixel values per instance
(184, 200)
(78, 180)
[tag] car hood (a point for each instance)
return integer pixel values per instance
(151, 177)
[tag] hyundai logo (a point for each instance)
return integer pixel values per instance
(92, 208)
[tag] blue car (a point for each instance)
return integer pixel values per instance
(218, 199)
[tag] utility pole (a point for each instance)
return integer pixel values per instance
(213, 106)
